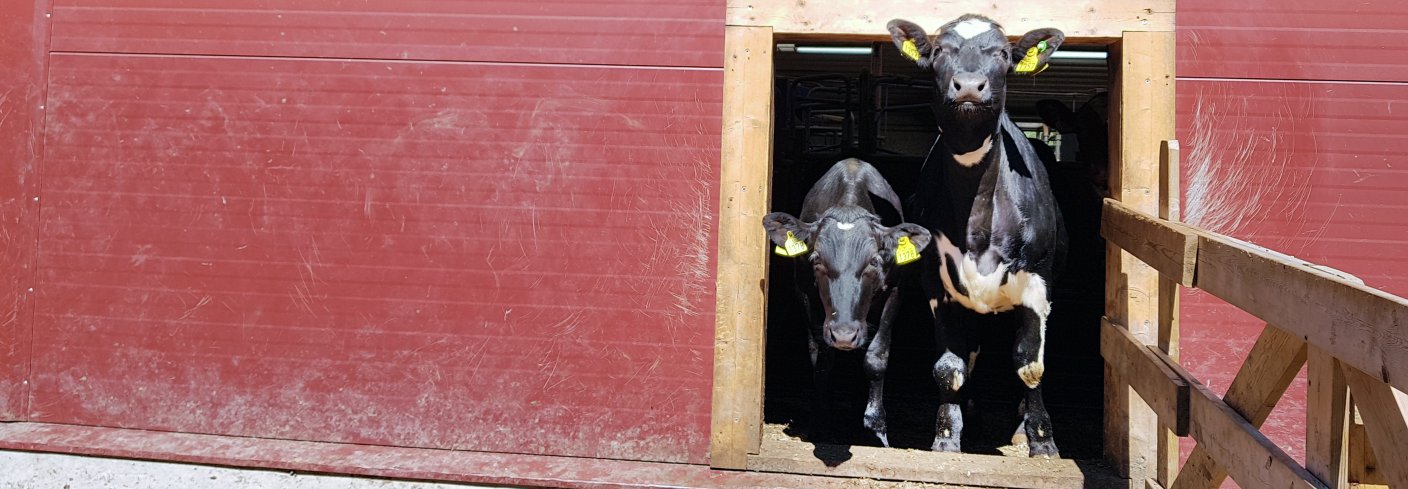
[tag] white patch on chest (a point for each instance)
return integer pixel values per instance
(972, 28)
(974, 157)
(989, 293)
(845, 226)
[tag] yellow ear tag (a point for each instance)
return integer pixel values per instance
(793, 247)
(1028, 64)
(909, 50)
(905, 252)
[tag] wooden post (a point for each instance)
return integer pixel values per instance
(743, 248)
(1170, 197)
(1142, 115)
(1327, 417)
(1385, 421)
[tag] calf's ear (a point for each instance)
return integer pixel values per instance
(913, 42)
(1041, 43)
(905, 241)
(780, 224)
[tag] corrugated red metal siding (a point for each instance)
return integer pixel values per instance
(1286, 145)
(22, 61)
(512, 257)
(620, 32)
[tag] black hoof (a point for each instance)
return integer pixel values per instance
(1042, 449)
(947, 445)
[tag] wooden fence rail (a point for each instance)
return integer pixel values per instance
(1355, 337)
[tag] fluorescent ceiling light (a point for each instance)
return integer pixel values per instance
(1078, 55)
(841, 50)
(866, 51)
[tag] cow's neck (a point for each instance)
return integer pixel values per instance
(972, 154)
(970, 144)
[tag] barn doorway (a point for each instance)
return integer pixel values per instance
(837, 99)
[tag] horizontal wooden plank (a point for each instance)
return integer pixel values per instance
(1363, 327)
(797, 457)
(1249, 458)
(1162, 388)
(1094, 19)
(1170, 248)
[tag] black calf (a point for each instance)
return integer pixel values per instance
(852, 257)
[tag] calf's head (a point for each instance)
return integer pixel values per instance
(970, 57)
(851, 255)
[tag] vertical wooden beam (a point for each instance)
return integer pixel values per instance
(1327, 420)
(1170, 197)
(742, 275)
(1385, 412)
(1272, 364)
(1327, 417)
(1142, 115)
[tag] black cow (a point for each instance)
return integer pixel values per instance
(852, 257)
(985, 195)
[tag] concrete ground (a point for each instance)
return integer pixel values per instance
(24, 470)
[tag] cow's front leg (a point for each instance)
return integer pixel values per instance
(950, 372)
(1029, 357)
(877, 359)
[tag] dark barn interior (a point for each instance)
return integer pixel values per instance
(865, 100)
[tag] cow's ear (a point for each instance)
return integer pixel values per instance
(905, 241)
(1041, 43)
(913, 42)
(788, 234)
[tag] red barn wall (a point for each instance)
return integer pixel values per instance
(1291, 116)
(468, 225)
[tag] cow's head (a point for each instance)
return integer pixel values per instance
(851, 255)
(970, 57)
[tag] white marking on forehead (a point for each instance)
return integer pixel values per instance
(972, 28)
(845, 226)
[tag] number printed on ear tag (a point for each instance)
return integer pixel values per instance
(905, 252)
(792, 247)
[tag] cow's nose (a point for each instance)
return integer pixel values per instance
(969, 87)
(847, 339)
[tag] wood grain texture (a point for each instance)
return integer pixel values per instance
(1159, 386)
(743, 252)
(1170, 248)
(1142, 111)
(1107, 19)
(1363, 327)
(1270, 366)
(1250, 458)
(797, 457)
(1326, 419)
(1385, 412)
(1170, 205)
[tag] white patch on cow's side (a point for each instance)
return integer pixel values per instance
(986, 292)
(976, 156)
(845, 226)
(972, 28)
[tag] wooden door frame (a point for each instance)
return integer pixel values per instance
(1140, 35)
